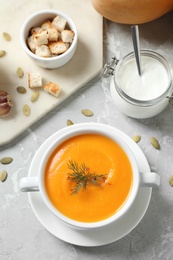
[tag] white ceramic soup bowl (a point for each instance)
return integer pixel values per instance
(148, 179)
(35, 20)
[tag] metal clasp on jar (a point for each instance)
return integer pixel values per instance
(109, 67)
(171, 99)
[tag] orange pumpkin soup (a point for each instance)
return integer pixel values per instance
(101, 155)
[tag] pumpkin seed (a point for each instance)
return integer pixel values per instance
(171, 181)
(155, 143)
(3, 175)
(69, 122)
(2, 53)
(87, 112)
(19, 72)
(21, 90)
(6, 160)
(35, 96)
(6, 36)
(26, 110)
(136, 138)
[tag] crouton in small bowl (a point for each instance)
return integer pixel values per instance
(49, 37)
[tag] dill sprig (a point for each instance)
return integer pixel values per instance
(82, 176)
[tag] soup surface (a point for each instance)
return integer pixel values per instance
(100, 155)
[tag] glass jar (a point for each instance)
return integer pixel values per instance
(140, 96)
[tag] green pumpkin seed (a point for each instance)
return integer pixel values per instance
(19, 72)
(35, 96)
(171, 181)
(69, 122)
(136, 138)
(3, 175)
(155, 143)
(6, 36)
(6, 160)
(2, 53)
(21, 90)
(26, 110)
(87, 112)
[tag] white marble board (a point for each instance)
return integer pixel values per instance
(85, 65)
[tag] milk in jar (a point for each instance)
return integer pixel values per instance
(150, 85)
(142, 96)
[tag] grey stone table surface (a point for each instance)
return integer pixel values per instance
(22, 237)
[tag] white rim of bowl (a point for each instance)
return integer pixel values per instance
(84, 129)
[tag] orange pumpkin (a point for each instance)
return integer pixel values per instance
(132, 11)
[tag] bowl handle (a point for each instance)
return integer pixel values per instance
(28, 184)
(149, 179)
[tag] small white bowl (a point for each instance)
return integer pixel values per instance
(36, 19)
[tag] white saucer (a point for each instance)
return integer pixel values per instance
(94, 237)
